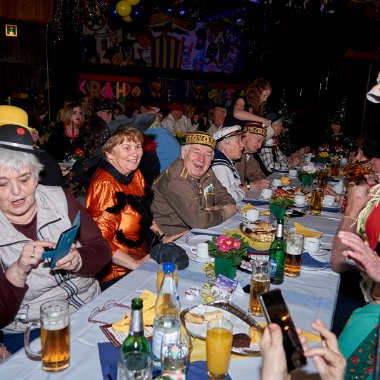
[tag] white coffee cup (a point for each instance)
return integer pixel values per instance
(293, 173)
(328, 200)
(252, 215)
(266, 193)
(299, 200)
(343, 161)
(311, 245)
(201, 250)
(276, 182)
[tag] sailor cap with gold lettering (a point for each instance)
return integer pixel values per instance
(199, 137)
(224, 132)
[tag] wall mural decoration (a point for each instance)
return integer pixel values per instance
(157, 91)
(169, 43)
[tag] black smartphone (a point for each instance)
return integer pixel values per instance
(276, 311)
(64, 243)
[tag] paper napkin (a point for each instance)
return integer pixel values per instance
(149, 301)
(247, 207)
(306, 232)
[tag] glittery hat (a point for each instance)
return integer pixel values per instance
(202, 138)
(256, 128)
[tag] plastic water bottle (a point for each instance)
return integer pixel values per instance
(167, 321)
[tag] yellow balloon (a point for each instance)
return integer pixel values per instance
(127, 19)
(123, 8)
(133, 2)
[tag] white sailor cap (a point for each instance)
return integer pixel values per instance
(224, 132)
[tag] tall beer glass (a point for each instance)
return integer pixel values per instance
(55, 336)
(260, 281)
(316, 201)
(294, 244)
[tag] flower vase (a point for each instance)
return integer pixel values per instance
(307, 180)
(224, 266)
(277, 211)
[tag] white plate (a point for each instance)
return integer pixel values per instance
(196, 239)
(194, 257)
(335, 205)
(239, 326)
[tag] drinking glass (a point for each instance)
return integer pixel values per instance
(134, 365)
(55, 336)
(174, 356)
(260, 281)
(294, 244)
(160, 275)
(316, 201)
(334, 170)
(322, 178)
(218, 347)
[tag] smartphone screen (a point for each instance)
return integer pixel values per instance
(276, 311)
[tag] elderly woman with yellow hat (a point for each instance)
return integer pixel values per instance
(51, 174)
(32, 217)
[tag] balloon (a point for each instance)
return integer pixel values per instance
(133, 2)
(123, 8)
(127, 19)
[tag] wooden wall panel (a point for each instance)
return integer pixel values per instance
(27, 10)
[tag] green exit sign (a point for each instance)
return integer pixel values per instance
(10, 30)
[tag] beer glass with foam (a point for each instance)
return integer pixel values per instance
(55, 336)
(260, 281)
(294, 244)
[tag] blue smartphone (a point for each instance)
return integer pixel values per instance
(64, 243)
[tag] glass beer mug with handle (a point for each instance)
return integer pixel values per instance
(55, 336)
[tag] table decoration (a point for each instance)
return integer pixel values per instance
(228, 251)
(279, 202)
(307, 174)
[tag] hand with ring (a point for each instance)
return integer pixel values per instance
(72, 261)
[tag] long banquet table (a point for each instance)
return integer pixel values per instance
(310, 296)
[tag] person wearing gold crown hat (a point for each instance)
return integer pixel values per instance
(188, 194)
(251, 175)
(51, 174)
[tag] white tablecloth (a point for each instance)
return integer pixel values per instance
(310, 296)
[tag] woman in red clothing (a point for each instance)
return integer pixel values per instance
(119, 202)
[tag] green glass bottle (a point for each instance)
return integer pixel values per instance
(136, 341)
(277, 254)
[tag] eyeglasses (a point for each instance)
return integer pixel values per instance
(107, 306)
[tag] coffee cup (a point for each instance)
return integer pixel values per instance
(276, 182)
(266, 193)
(299, 200)
(252, 215)
(328, 200)
(311, 245)
(293, 173)
(201, 250)
(343, 161)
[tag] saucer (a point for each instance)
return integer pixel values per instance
(300, 206)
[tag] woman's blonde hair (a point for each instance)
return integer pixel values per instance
(67, 112)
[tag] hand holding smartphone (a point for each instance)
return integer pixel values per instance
(64, 243)
(276, 311)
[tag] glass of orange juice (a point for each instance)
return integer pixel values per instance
(218, 347)
(160, 275)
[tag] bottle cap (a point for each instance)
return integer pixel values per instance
(137, 303)
(168, 267)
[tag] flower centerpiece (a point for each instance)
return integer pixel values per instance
(78, 153)
(307, 175)
(279, 202)
(323, 155)
(228, 251)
